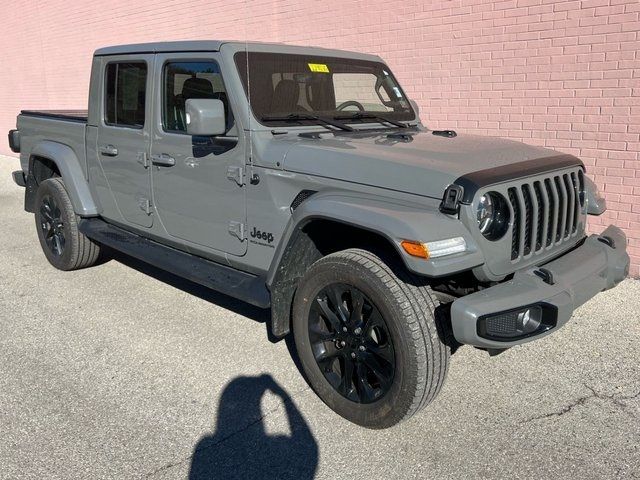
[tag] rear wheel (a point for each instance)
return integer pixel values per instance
(57, 225)
(367, 338)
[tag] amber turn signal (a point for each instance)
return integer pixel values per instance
(415, 249)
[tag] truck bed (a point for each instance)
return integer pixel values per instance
(66, 127)
(72, 115)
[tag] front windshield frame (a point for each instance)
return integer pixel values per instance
(407, 113)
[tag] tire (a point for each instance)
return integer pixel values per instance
(407, 305)
(57, 226)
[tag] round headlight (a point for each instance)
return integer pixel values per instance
(493, 215)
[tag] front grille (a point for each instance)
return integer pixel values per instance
(545, 212)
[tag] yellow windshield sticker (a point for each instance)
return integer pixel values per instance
(318, 67)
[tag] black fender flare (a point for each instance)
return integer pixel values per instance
(72, 174)
(392, 219)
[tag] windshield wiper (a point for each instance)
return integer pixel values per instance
(294, 117)
(362, 116)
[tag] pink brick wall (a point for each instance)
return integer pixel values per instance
(563, 74)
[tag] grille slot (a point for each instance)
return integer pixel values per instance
(562, 208)
(540, 218)
(515, 238)
(575, 186)
(552, 218)
(528, 219)
(570, 204)
(581, 187)
(546, 212)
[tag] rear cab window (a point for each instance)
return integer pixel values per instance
(125, 94)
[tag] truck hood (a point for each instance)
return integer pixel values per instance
(420, 163)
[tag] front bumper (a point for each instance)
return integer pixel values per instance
(600, 263)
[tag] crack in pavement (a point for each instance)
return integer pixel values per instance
(210, 446)
(617, 401)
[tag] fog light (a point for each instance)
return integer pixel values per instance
(527, 321)
(517, 323)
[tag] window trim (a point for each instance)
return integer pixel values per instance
(163, 92)
(104, 93)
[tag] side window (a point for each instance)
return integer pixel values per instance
(185, 80)
(125, 84)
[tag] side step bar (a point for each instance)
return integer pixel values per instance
(222, 278)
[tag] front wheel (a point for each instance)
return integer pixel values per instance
(367, 338)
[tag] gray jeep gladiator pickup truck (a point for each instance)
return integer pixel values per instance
(302, 180)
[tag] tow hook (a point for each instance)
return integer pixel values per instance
(607, 241)
(545, 275)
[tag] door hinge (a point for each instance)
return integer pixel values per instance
(237, 229)
(145, 205)
(143, 159)
(236, 174)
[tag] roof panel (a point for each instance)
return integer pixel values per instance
(157, 47)
(215, 45)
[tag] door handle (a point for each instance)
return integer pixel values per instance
(163, 160)
(108, 150)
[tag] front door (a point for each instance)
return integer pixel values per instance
(197, 186)
(123, 140)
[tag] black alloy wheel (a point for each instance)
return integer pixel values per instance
(64, 246)
(366, 334)
(52, 225)
(351, 343)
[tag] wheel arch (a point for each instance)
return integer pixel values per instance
(312, 239)
(48, 159)
(333, 221)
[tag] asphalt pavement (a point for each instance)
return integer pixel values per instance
(124, 371)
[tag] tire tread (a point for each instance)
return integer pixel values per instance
(419, 312)
(417, 304)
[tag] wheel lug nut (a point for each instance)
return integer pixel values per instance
(357, 331)
(361, 348)
(353, 354)
(343, 343)
(344, 329)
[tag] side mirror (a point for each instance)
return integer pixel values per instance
(205, 117)
(416, 109)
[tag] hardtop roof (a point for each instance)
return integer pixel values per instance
(158, 47)
(215, 45)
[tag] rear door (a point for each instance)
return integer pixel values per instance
(197, 181)
(123, 139)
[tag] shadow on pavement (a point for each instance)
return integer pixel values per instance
(240, 446)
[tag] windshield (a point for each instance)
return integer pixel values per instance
(302, 87)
